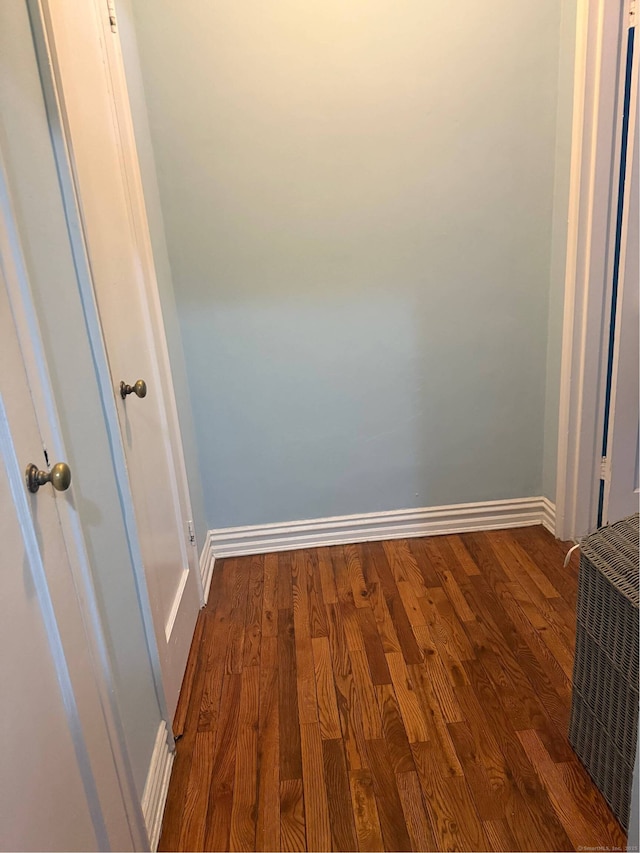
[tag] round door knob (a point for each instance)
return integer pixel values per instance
(59, 477)
(139, 388)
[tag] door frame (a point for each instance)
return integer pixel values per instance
(35, 363)
(47, 18)
(595, 152)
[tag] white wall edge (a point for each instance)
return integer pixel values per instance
(207, 560)
(370, 527)
(156, 787)
(596, 128)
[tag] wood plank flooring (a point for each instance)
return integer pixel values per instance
(402, 695)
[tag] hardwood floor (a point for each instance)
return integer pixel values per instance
(402, 695)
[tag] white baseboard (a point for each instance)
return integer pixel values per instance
(548, 518)
(207, 560)
(156, 787)
(369, 527)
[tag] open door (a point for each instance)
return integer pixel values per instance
(83, 83)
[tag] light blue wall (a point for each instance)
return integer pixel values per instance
(559, 244)
(358, 201)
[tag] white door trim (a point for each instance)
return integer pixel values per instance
(28, 332)
(599, 26)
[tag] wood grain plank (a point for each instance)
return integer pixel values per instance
(444, 672)
(341, 820)
(457, 637)
(591, 803)
(253, 619)
(328, 716)
(356, 578)
(242, 835)
(411, 605)
(463, 557)
(456, 559)
(270, 596)
(412, 716)
(289, 724)
(327, 580)
(529, 814)
(268, 805)
(218, 821)
(385, 627)
(299, 594)
(371, 722)
(317, 612)
(337, 640)
(425, 567)
(488, 806)
(194, 813)
(392, 824)
(448, 803)
(375, 566)
(457, 599)
(556, 704)
(315, 791)
(284, 590)
(365, 811)
(410, 650)
(568, 810)
(393, 730)
(351, 725)
(237, 619)
(351, 626)
(211, 691)
(523, 704)
(404, 565)
(439, 736)
(341, 574)
(415, 815)
(373, 647)
(292, 816)
(305, 674)
(500, 838)
(218, 829)
(546, 555)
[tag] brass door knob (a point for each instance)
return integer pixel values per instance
(139, 388)
(59, 477)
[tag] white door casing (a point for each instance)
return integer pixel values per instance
(99, 145)
(621, 469)
(601, 29)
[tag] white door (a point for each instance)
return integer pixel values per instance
(59, 787)
(621, 485)
(85, 58)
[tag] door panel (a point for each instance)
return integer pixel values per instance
(85, 93)
(44, 789)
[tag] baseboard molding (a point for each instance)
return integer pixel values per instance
(548, 519)
(156, 787)
(207, 560)
(373, 526)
